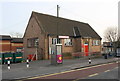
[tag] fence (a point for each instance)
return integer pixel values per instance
(86, 54)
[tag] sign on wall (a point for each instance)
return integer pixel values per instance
(64, 37)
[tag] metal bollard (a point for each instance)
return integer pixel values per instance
(89, 61)
(8, 62)
(28, 63)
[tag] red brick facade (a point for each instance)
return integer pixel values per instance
(5, 45)
(8, 46)
(35, 29)
(14, 46)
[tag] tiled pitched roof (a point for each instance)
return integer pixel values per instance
(65, 26)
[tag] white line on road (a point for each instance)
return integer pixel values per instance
(107, 71)
(93, 75)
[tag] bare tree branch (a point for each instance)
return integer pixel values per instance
(16, 34)
(111, 34)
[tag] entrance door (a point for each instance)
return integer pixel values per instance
(86, 50)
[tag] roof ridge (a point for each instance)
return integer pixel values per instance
(5, 35)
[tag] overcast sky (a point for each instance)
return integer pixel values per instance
(100, 14)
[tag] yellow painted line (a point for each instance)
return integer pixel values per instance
(79, 79)
(5, 43)
(45, 76)
(66, 71)
(76, 79)
(107, 71)
(93, 75)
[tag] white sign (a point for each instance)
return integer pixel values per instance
(66, 37)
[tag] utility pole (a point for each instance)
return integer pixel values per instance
(56, 56)
(58, 10)
(57, 23)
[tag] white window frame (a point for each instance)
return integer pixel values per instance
(68, 42)
(55, 41)
(96, 43)
(32, 42)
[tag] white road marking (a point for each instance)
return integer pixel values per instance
(107, 71)
(93, 75)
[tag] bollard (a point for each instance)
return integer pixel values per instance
(28, 63)
(8, 62)
(89, 61)
(105, 56)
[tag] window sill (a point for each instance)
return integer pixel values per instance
(29, 47)
(68, 45)
(95, 45)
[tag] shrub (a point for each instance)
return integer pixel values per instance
(67, 54)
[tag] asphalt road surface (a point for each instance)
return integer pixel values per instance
(103, 71)
(109, 74)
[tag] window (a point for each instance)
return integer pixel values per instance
(95, 42)
(76, 31)
(68, 42)
(56, 41)
(32, 42)
(36, 42)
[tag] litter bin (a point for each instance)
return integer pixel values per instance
(6, 56)
(1, 58)
(18, 57)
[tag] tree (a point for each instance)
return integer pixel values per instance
(111, 34)
(16, 35)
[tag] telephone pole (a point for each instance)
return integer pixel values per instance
(58, 10)
(57, 23)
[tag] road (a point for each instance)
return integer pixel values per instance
(109, 74)
(43, 67)
(102, 71)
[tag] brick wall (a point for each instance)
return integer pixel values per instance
(33, 30)
(92, 48)
(14, 46)
(76, 45)
(46, 56)
(6, 46)
(66, 48)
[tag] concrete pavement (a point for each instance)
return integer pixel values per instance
(43, 67)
